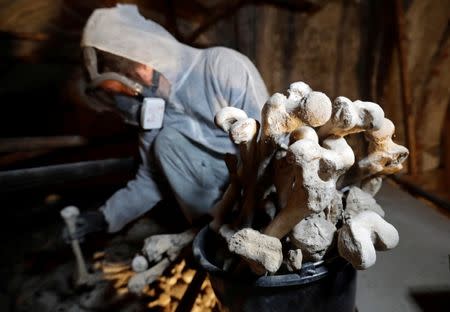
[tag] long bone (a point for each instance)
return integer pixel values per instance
(362, 235)
(385, 156)
(166, 245)
(315, 171)
(139, 281)
(243, 131)
(70, 215)
(231, 195)
(351, 117)
(281, 115)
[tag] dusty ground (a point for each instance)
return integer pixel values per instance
(36, 267)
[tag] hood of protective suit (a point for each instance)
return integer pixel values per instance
(122, 31)
(203, 81)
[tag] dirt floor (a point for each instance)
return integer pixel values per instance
(37, 267)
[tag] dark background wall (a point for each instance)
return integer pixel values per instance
(341, 47)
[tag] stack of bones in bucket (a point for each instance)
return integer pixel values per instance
(302, 187)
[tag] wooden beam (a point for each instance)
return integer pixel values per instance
(223, 10)
(446, 145)
(58, 175)
(24, 144)
(37, 36)
(409, 118)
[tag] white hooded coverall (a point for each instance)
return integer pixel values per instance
(188, 150)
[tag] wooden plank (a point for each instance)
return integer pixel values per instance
(433, 108)
(12, 145)
(446, 146)
(409, 118)
(58, 175)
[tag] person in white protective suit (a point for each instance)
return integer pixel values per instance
(187, 151)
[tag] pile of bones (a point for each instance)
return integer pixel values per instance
(302, 189)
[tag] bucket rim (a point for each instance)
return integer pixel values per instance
(310, 271)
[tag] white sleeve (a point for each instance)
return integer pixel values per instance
(241, 83)
(139, 196)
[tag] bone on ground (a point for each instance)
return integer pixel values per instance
(385, 156)
(316, 170)
(138, 282)
(351, 117)
(362, 235)
(158, 246)
(139, 264)
(70, 215)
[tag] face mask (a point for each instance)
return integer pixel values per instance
(152, 105)
(140, 105)
(145, 110)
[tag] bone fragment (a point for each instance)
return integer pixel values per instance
(281, 115)
(138, 282)
(315, 172)
(358, 201)
(314, 236)
(70, 215)
(139, 264)
(227, 116)
(362, 235)
(295, 258)
(372, 185)
(334, 212)
(245, 133)
(262, 252)
(351, 117)
(385, 157)
(158, 246)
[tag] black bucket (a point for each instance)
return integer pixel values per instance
(318, 287)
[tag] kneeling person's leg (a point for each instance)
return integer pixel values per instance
(196, 175)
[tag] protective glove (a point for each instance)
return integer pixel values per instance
(87, 222)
